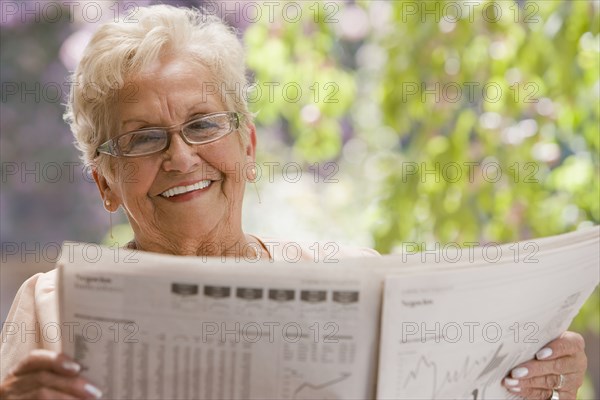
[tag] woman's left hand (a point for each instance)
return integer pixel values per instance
(535, 379)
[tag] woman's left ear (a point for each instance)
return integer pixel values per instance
(251, 146)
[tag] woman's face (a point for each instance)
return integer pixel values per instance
(171, 92)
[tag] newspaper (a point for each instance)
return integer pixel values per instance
(410, 326)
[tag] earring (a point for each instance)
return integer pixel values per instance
(253, 171)
(107, 203)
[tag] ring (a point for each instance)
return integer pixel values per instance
(554, 395)
(561, 382)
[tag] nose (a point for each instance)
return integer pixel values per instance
(180, 156)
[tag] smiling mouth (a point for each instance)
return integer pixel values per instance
(177, 190)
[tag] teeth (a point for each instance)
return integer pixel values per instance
(184, 189)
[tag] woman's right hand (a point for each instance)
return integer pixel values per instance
(45, 374)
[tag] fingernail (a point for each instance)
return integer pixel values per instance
(519, 372)
(93, 390)
(511, 382)
(514, 389)
(543, 353)
(71, 366)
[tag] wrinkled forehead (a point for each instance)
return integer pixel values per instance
(167, 92)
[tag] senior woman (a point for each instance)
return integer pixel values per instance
(157, 110)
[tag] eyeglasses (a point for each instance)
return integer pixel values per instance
(143, 142)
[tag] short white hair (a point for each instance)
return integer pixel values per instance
(120, 50)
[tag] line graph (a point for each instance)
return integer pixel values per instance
(300, 386)
(427, 373)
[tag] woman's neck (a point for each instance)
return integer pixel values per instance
(242, 246)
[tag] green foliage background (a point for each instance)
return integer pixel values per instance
(542, 133)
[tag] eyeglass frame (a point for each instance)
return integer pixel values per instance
(109, 147)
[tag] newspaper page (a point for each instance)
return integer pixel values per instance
(454, 330)
(149, 326)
